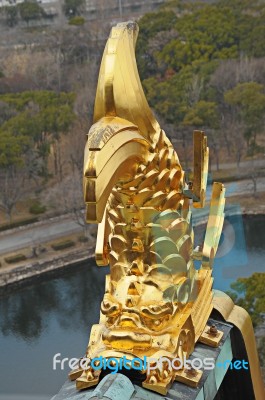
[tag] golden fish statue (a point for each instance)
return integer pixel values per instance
(156, 303)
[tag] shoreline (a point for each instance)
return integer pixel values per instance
(18, 276)
(26, 274)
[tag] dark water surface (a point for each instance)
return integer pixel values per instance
(55, 315)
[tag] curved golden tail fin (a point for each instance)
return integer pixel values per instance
(119, 91)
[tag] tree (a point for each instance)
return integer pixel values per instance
(11, 13)
(233, 131)
(227, 76)
(205, 34)
(151, 25)
(67, 197)
(183, 41)
(203, 114)
(12, 149)
(32, 125)
(39, 119)
(75, 144)
(249, 293)
(13, 188)
(30, 10)
(72, 8)
(249, 99)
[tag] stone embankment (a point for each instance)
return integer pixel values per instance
(26, 273)
(51, 264)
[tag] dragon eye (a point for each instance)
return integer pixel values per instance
(110, 307)
(155, 309)
(157, 312)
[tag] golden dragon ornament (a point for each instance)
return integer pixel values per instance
(156, 303)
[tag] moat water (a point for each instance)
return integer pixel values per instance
(55, 315)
